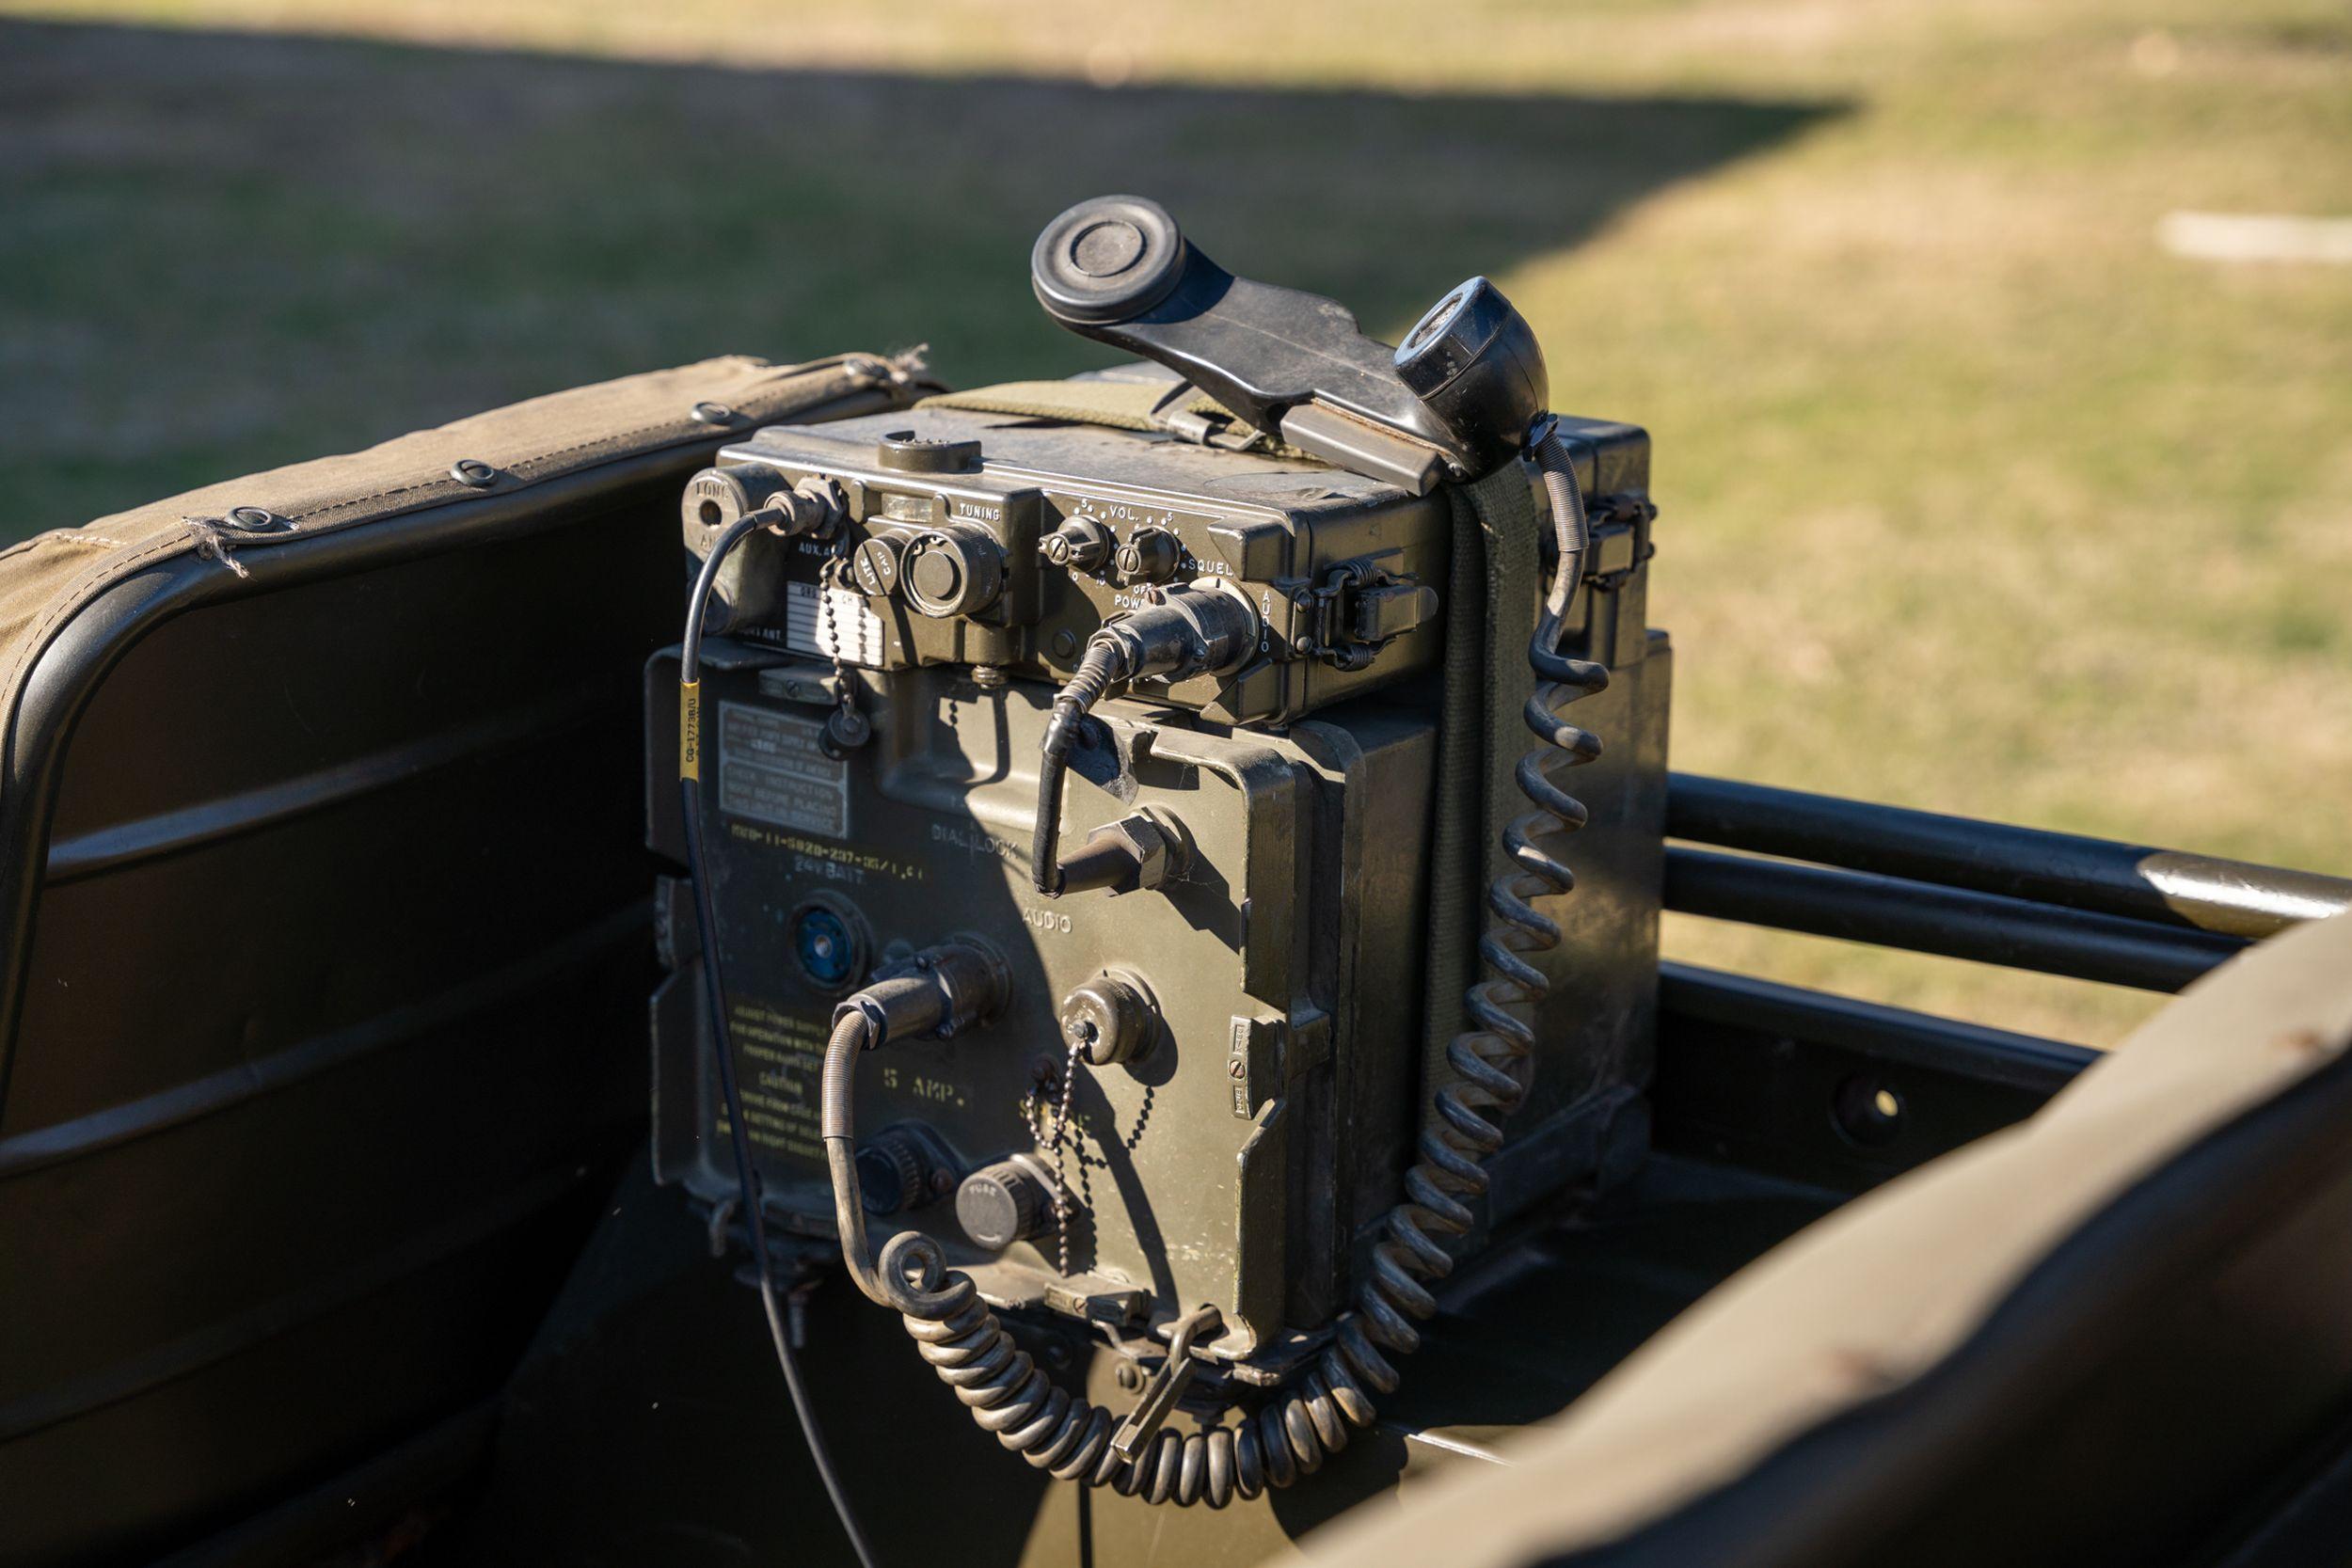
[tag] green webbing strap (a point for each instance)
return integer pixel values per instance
(1121, 405)
(1490, 616)
(1490, 600)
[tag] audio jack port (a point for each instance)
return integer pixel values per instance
(1111, 1018)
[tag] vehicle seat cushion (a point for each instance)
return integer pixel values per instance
(2207, 1128)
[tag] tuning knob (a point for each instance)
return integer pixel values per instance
(953, 571)
(1003, 1203)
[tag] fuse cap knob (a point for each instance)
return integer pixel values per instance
(1003, 1203)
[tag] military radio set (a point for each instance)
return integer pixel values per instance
(1130, 850)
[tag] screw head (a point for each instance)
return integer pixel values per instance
(1129, 1376)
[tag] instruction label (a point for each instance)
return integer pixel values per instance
(780, 1059)
(773, 770)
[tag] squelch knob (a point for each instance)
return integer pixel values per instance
(1003, 1203)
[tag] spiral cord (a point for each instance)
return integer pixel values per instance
(1290, 1434)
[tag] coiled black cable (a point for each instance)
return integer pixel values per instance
(1290, 1434)
(706, 914)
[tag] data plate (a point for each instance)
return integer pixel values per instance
(772, 769)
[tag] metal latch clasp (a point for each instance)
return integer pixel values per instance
(1357, 609)
(1165, 1387)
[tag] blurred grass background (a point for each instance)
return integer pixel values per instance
(1973, 497)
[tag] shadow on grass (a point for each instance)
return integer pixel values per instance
(226, 251)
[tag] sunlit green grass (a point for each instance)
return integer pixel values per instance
(1974, 499)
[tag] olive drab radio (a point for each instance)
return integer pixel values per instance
(1174, 852)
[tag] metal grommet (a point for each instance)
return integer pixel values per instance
(254, 519)
(712, 413)
(475, 472)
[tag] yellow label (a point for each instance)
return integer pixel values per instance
(689, 730)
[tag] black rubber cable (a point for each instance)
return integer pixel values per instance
(747, 1180)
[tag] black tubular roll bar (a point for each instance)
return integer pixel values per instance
(1841, 1094)
(2125, 913)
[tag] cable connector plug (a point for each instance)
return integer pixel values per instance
(939, 991)
(1185, 631)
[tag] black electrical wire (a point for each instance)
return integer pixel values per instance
(1106, 663)
(690, 802)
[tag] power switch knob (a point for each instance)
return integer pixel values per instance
(1003, 1203)
(1150, 555)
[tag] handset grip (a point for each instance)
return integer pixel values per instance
(1455, 401)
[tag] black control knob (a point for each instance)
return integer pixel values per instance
(1150, 555)
(953, 571)
(893, 1173)
(1082, 544)
(1004, 1203)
